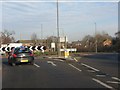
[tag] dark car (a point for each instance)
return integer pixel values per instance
(20, 55)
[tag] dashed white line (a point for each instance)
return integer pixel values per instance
(115, 78)
(90, 70)
(103, 84)
(113, 82)
(101, 75)
(36, 65)
(51, 63)
(75, 59)
(89, 67)
(75, 67)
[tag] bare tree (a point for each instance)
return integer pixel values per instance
(7, 37)
(88, 42)
(34, 38)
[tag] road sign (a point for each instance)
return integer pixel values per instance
(69, 49)
(32, 48)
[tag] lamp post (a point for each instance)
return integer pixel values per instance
(41, 34)
(58, 37)
(96, 47)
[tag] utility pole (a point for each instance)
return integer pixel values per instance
(20, 37)
(0, 39)
(41, 34)
(58, 37)
(96, 47)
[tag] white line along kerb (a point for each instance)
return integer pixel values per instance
(75, 67)
(105, 85)
(51, 63)
(89, 67)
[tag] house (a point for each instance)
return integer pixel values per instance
(107, 42)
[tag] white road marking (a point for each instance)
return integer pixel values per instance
(101, 75)
(90, 70)
(75, 59)
(115, 78)
(113, 82)
(89, 67)
(103, 84)
(58, 60)
(51, 63)
(75, 67)
(36, 65)
(61, 60)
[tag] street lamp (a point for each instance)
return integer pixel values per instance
(58, 37)
(96, 47)
(41, 34)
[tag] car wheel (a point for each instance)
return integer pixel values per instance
(32, 63)
(9, 62)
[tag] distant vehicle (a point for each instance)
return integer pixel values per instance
(20, 55)
(14, 45)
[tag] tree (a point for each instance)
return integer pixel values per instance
(34, 38)
(50, 40)
(7, 37)
(116, 40)
(89, 42)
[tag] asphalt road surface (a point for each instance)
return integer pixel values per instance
(56, 73)
(108, 63)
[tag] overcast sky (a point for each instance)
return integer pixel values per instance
(76, 19)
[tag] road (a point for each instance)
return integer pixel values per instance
(108, 63)
(52, 73)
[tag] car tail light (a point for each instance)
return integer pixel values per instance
(14, 55)
(31, 54)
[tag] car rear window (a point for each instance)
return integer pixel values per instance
(22, 50)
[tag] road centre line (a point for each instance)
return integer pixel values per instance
(75, 67)
(103, 84)
(51, 63)
(89, 67)
(36, 65)
(113, 82)
(115, 78)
